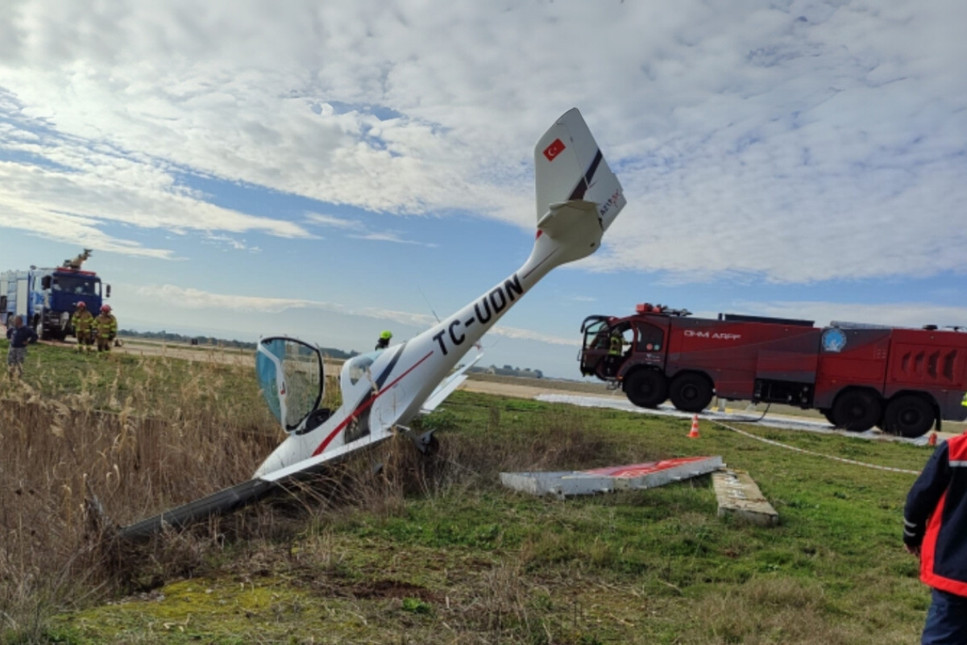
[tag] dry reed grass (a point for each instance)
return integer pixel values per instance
(123, 439)
(128, 438)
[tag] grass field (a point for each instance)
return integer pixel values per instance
(428, 551)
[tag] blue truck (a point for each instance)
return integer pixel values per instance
(47, 298)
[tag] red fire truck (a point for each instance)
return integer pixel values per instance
(858, 376)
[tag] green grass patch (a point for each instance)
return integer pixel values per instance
(433, 551)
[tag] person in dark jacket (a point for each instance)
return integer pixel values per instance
(18, 335)
(935, 529)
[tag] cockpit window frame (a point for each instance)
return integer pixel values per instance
(281, 409)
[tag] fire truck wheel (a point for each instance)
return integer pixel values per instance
(646, 388)
(856, 410)
(829, 415)
(908, 416)
(690, 392)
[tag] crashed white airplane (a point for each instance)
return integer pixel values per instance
(577, 199)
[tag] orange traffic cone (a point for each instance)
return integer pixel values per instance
(693, 433)
(932, 441)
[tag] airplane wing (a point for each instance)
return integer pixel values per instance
(447, 387)
(240, 495)
(224, 501)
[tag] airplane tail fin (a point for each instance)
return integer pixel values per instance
(570, 167)
(577, 194)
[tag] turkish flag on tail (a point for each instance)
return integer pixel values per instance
(556, 148)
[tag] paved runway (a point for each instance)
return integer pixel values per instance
(771, 420)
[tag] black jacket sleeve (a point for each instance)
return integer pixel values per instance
(924, 496)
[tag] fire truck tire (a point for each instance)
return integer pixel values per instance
(908, 416)
(690, 392)
(829, 415)
(856, 410)
(646, 388)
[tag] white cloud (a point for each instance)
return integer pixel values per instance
(170, 295)
(173, 298)
(360, 231)
(798, 141)
(390, 236)
(334, 222)
(62, 190)
(909, 314)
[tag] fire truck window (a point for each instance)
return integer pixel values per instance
(596, 335)
(76, 286)
(628, 336)
(619, 339)
(650, 338)
(601, 340)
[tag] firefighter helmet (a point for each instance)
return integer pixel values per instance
(82, 305)
(106, 308)
(386, 335)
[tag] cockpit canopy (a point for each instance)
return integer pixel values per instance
(290, 375)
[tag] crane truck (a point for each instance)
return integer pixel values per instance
(47, 297)
(858, 376)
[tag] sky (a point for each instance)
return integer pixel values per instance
(328, 170)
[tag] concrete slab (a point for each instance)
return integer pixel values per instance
(563, 484)
(559, 484)
(738, 495)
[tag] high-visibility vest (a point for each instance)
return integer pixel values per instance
(616, 343)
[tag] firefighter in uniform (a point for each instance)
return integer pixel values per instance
(83, 323)
(935, 529)
(617, 342)
(384, 339)
(105, 329)
(615, 347)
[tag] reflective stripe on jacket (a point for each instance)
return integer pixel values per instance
(83, 322)
(106, 325)
(935, 518)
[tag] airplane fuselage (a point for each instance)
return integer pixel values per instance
(577, 198)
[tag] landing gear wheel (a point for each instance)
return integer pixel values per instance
(690, 392)
(431, 446)
(646, 388)
(856, 410)
(908, 416)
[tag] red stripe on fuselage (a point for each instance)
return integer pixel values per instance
(360, 409)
